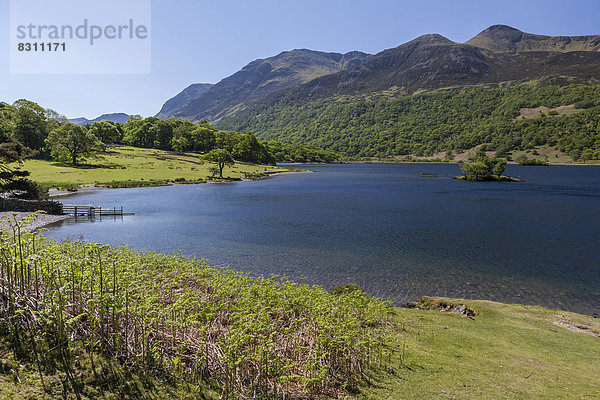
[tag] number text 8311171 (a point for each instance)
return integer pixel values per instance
(42, 46)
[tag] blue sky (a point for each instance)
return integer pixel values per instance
(200, 41)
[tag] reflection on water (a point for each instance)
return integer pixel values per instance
(397, 233)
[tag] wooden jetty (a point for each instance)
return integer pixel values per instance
(91, 211)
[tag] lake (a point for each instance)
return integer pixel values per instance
(385, 227)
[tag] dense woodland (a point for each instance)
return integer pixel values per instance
(430, 122)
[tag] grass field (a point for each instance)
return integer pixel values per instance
(121, 165)
(505, 352)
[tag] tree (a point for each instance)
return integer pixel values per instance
(14, 180)
(221, 157)
(15, 183)
(499, 165)
(476, 170)
(162, 133)
(484, 168)
(106, 131)
(31, 127)
(137, 132)
(203, 138)
(586, 155)
(71, 142)
(181, 135)
(226, 140)
(249, 149)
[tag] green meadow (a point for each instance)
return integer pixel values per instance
(123, 166)
(504, 352)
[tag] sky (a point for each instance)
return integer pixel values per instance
(196, 41)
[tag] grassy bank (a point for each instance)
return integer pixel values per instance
(504, 352)
(92, 321)
(122, 166)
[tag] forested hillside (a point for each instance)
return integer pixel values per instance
(422, 124)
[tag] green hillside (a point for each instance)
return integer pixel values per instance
(504, 118)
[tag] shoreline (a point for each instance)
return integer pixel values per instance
(441, 163)
(452, 163)
(41, 221)
(90, 187)
(301, 171)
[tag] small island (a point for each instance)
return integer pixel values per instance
(485, 169)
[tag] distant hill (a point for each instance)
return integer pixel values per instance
(262, 78)
(116, 117)
(175, 104)
(79, 121)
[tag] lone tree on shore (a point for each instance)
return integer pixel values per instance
(221, 157)
(71, 142)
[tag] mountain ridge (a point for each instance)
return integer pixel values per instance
(498, 54)
(504, 38)
(263, 77)
(418, 98)
(114, 117)
(174, 104)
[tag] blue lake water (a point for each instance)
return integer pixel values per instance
(388, 228)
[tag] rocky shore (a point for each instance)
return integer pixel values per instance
(40, 221)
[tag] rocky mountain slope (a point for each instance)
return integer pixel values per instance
(175, 104)
(261, 78)
(502, 38)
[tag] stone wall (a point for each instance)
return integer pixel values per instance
(51, 207)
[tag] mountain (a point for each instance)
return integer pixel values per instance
(80, 121)
(174, 105)
(263, 77)
(432, 95)
(116, 117)
(433, 62)
(499, 54)
(426, 62)
(502, 38)
(427, 96)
